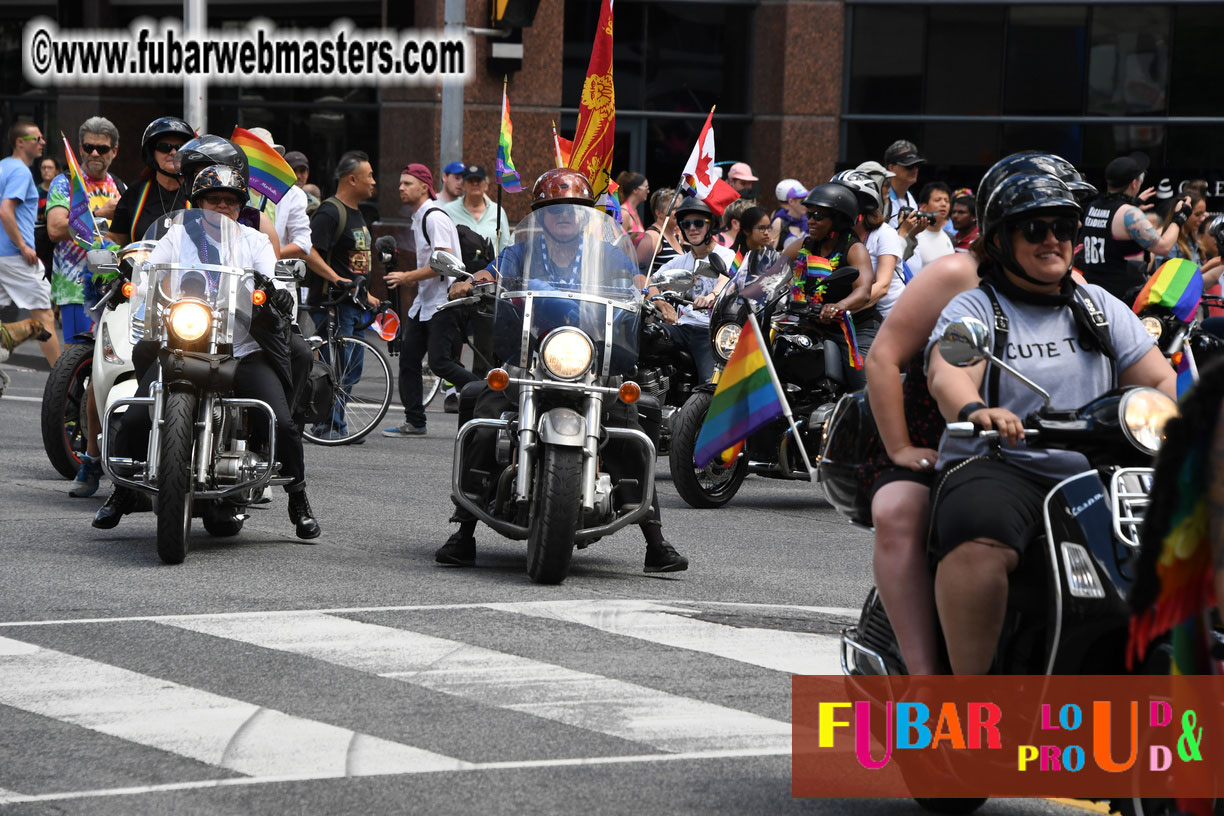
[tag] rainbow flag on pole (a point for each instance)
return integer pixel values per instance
(271, 176)
(746, 399)
(507, 176)
(80, 217)
(1176, 285)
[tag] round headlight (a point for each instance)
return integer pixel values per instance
(725, 338)
(1144, 414)
(567, 354)
(189, 321)
(1152, 326)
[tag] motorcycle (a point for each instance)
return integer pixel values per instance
(200, 460)
(1066, 610)
(809, 364)
(565, 345)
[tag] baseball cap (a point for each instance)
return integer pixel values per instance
(296, 160)
(1125, 169)
(422, 172)
(788, 189)
(741, 171)
(474, 171)
(263, 134)
(904, 153)
(876, 170)
(455, 168)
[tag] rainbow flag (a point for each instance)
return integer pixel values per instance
(1176, 285)
(735, 264)
(80, 217)
(746, 399)
(507, 176)
(271, 176)
(810, 269)
(856, 359)
(1187, 372)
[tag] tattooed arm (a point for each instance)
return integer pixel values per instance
(1136, 226)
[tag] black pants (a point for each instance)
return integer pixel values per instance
(255, 379)
(620, 459)
(301, 357)
(436, 338)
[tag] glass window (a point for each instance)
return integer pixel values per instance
(1045, 60)
(886, 73)
(963, 51)
(1128, 61)
(1194, 87)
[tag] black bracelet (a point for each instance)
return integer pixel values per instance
(963, 414)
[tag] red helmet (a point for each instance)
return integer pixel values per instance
(562, 186)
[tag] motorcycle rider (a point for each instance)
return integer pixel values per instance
(208, 150)
(988, 497)
(884, 246)
(557, 249)
(690, 328)
(222, 189)
(159, 191)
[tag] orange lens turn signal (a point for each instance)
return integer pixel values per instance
(259, 297)
(630, 392)
(498, 379)
(127, 289)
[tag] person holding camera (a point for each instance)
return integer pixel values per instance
(901, 162)
(932, 240)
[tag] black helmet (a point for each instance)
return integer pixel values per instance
(163, 126)
(205, 151)
(218, 177)
(694, 205)
(1026, 194)
(1216, 230)
(864, 187)
(838, 199)
(1032, 161)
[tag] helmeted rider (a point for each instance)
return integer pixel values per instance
(884, 246)
(260, 373)
(159, 191)
(558, 249)
(210, 150)
(689, 326)
(1076, 342)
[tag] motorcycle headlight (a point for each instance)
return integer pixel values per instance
(725, 338)
(189, 320)
(1144, 414)
(1153, 327)
(567, 353)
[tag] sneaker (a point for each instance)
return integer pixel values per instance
(87, 477)
(451, 404)
(404, 429)
(664, 558)
(330, 434)
(458, 551)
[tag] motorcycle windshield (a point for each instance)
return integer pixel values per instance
(570, 265)
(198, 259)
(758, 292)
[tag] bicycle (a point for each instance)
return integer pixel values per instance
(362, 393)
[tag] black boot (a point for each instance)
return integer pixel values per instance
(460, 549)
(302, 516)
(121, 502)
(662, 557)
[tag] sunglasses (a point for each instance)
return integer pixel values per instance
(31, 138)
(220, 199)
(166, 147)
(1036, 230)
(693, 223)
(100, 149)
(816, 215)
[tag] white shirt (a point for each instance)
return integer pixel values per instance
(932, 244)
(895, 204)
(701, 285)
(431, 292)
(882, 241)
(292, 223)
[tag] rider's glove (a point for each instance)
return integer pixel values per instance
(1180, 217)
(282, 301)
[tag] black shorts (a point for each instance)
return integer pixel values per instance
(895, 473)
(986, 498)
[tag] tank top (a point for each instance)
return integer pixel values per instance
(666, 251)
(1105, 257)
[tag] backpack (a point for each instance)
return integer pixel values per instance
(475, 250)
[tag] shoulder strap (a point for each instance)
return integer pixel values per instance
(1001, 327)
(341, 220)
(1100, 328)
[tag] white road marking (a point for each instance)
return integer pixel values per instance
(791, 652)
(592, 702)
(221, 731)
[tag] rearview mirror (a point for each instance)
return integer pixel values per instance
(965, 342)
(672, 280)
(446, 264)
(291, 269)
(717, 264)
(101, 260)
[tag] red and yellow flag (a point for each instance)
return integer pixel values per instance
(592, 154)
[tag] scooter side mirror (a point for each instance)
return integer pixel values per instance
(447, 265)
(672, 280)
(965, 342)
(102, 260)
(717, 265)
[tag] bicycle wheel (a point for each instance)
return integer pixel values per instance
(363, 394)
(431, 384)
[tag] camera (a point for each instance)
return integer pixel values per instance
(929, 217)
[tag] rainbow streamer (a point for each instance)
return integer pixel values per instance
(507, 176)
(1176, 285)
(856, 359)
(271, 176)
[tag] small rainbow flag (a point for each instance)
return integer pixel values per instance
(1176, 285)
(856, 359)
(746, 399)
(809, 271)
(80, 217)
(271, 176)
(1187, 372)
(735, 264)
(507, 176)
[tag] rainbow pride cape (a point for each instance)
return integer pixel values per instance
(1176, 285)
(271, 176)
(507, 176)
(746, 399)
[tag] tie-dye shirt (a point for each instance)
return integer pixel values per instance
(71, 281)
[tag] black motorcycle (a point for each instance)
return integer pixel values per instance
(810, 365)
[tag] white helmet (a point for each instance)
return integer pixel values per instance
(788, 189)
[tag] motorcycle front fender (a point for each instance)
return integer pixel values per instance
(564, 427)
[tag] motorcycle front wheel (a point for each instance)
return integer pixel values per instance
(550, 543)
(711, 486)
(65, 419)
(174, 468)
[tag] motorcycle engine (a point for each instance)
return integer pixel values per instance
(654, 382)
(232, 467)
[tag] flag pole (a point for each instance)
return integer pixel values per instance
(777, 384)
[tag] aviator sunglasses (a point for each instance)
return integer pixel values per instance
(1036, 230)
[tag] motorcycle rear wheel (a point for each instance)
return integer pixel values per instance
(65, 421)
(174, 480)
(550, 544)
(713, 485)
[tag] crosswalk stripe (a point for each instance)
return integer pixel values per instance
(661, 720)
(791, 652)
(189, 722)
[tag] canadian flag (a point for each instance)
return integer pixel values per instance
(699, 176)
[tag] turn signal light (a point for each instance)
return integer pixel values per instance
(498, 379)
(630, 392)
(259, 297)
(127, 289)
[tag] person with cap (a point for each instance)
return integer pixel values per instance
(790, 219)
(1117, 235)
(301, 168)
(452, 182)
(477, 211)
(741, 178)
(902, 160)
(424, 333)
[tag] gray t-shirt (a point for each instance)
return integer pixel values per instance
(1042, 343)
